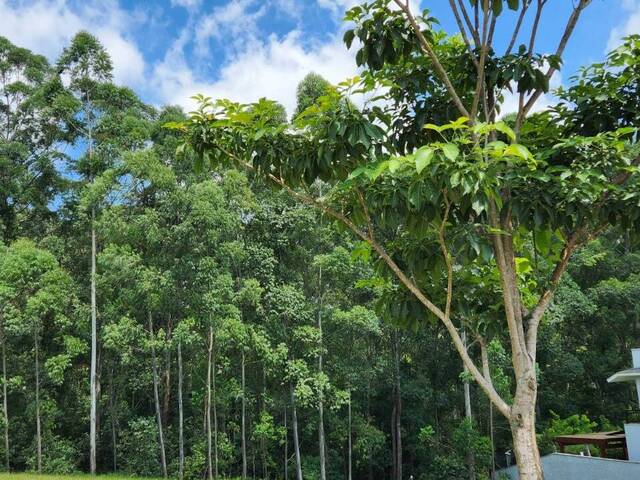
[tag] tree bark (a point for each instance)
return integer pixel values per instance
(523, 428)
(244, 419)
(166, 400)
(350, 442)
(156, 396)
(5, 402)
(114, 436)
(296, 439)
(321, 436)
(397, 411)
(286, 446)
(207, 412)
(93, 420)
(214, 407)
(38, 422)
(471, 459)
(180, 415)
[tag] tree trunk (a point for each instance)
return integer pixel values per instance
(214, 407)
(38, 422)
(166, 400)
(523, 431)
(493, 444)
(470, 457)
(212, 445)
(93, 420)
(321, 437)
(114, 436)
(286, 446)
(397, 412)
(180, 415)
(296, 439)
(156, 396)
(244, 419)
(350, 442)
(5, 402)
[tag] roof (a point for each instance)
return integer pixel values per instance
(629, 375)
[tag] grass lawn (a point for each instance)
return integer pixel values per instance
(75, 476)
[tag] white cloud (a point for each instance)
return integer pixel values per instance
(630, 26)
(47, 26)
(185, 3)
(232, 23)
(269, 69)
(340, 6)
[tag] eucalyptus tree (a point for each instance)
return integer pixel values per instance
(38, 304)
(87, 65)
(458, 189)
(32, 103)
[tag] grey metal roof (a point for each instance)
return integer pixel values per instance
(630, 375)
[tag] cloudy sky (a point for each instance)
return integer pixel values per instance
(167, 50)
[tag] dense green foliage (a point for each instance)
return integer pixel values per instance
(239, 332)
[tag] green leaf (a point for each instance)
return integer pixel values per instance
(451, 151)
(518, 150)
(497, 7)
(423, 158)
(513, 4)
(431, 126)
(394, 165)
(349, 35)
(506, 129)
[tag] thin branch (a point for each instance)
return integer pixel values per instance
(571, 24)
(483, 57)
(516, 30)
(446, 255)
(467, 20)
(428, 50)
(518, 347)
(463, 32)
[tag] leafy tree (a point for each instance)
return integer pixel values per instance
(446, 197)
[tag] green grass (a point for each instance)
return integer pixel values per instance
(75, 476)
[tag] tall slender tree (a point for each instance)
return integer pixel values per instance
(88, 66)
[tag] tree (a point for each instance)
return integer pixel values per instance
(36, 303)
(441, 190)
(310, 89)
(88, 65)
(32, 103)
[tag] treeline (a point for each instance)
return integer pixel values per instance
(160, 319)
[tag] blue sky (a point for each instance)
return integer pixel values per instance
(168, 50)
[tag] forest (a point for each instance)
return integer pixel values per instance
(416, 285)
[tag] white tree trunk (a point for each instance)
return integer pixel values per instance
(296, 439)
(38, 422)
(156, 396)
(286, 446)
(5, 403)
(93, 420)
(523, 430)
(350, 442)
(180, 415)
(321, 436)
(207, 413)
(244, 419)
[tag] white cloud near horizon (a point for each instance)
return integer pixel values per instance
(630, 26)
(47, 26)
(270, 69)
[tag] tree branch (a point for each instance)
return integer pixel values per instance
(516, 30)
(569, 28)
(428, 50)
